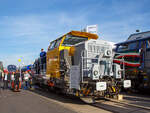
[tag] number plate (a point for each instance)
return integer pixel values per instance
(101, 86)
(127, 83)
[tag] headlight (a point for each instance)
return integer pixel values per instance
(95, 73)
(108, 52)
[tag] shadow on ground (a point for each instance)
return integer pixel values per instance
(57, 96)
(102, 104)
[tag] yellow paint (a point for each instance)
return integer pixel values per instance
(84, 91)
(114, 89)
(72, 51)
(77, 93)
(53, 56)
(88, 91)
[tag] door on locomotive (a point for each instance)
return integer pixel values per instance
(53, 58)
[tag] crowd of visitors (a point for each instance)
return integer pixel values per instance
(15, 80)
(18, 80)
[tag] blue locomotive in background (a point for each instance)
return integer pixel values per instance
(12, 68)
(26, 68)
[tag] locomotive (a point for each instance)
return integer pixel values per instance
(12, 68)
(79, 64)
(134, 56)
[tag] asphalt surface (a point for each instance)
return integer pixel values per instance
(43, 101)
(25, 102)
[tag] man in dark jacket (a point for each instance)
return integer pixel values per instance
(43, 57)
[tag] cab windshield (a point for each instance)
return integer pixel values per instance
(72, 40)
(127, 47)
(122, 48)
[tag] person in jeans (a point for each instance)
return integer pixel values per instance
(26, 78)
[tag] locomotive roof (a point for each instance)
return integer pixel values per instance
(136, 37)
(80, 34)
(83, 34)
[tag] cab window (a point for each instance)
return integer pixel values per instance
(128, 47)
(142, 44)
(52, 45)
(55, 44)
(58, 42)
(121, 48)
(72, 40)
(148, 44)
(132, 46)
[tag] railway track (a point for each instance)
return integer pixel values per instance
(130, 104)
(124, 106)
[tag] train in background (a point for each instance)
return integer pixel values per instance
(27, 68)
(79, 64)
(134, 56)
(11, 68)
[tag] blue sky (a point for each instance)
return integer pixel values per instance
(26, 26)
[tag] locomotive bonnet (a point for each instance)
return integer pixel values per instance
(94, 59)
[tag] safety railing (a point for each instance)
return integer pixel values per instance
(40, 66)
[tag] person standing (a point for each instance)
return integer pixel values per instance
(43, 58)
(43, 53)
(17, 81)
(5, 80)
(30, 79)
(23, 81)
(1, 77)
(12, 80)
(26, 78)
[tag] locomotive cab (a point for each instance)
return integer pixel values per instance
(56, 50)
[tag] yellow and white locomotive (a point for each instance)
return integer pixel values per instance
(79, 64)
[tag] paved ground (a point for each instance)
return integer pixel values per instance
(41, 101)
(25, 102)
(38, 102)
